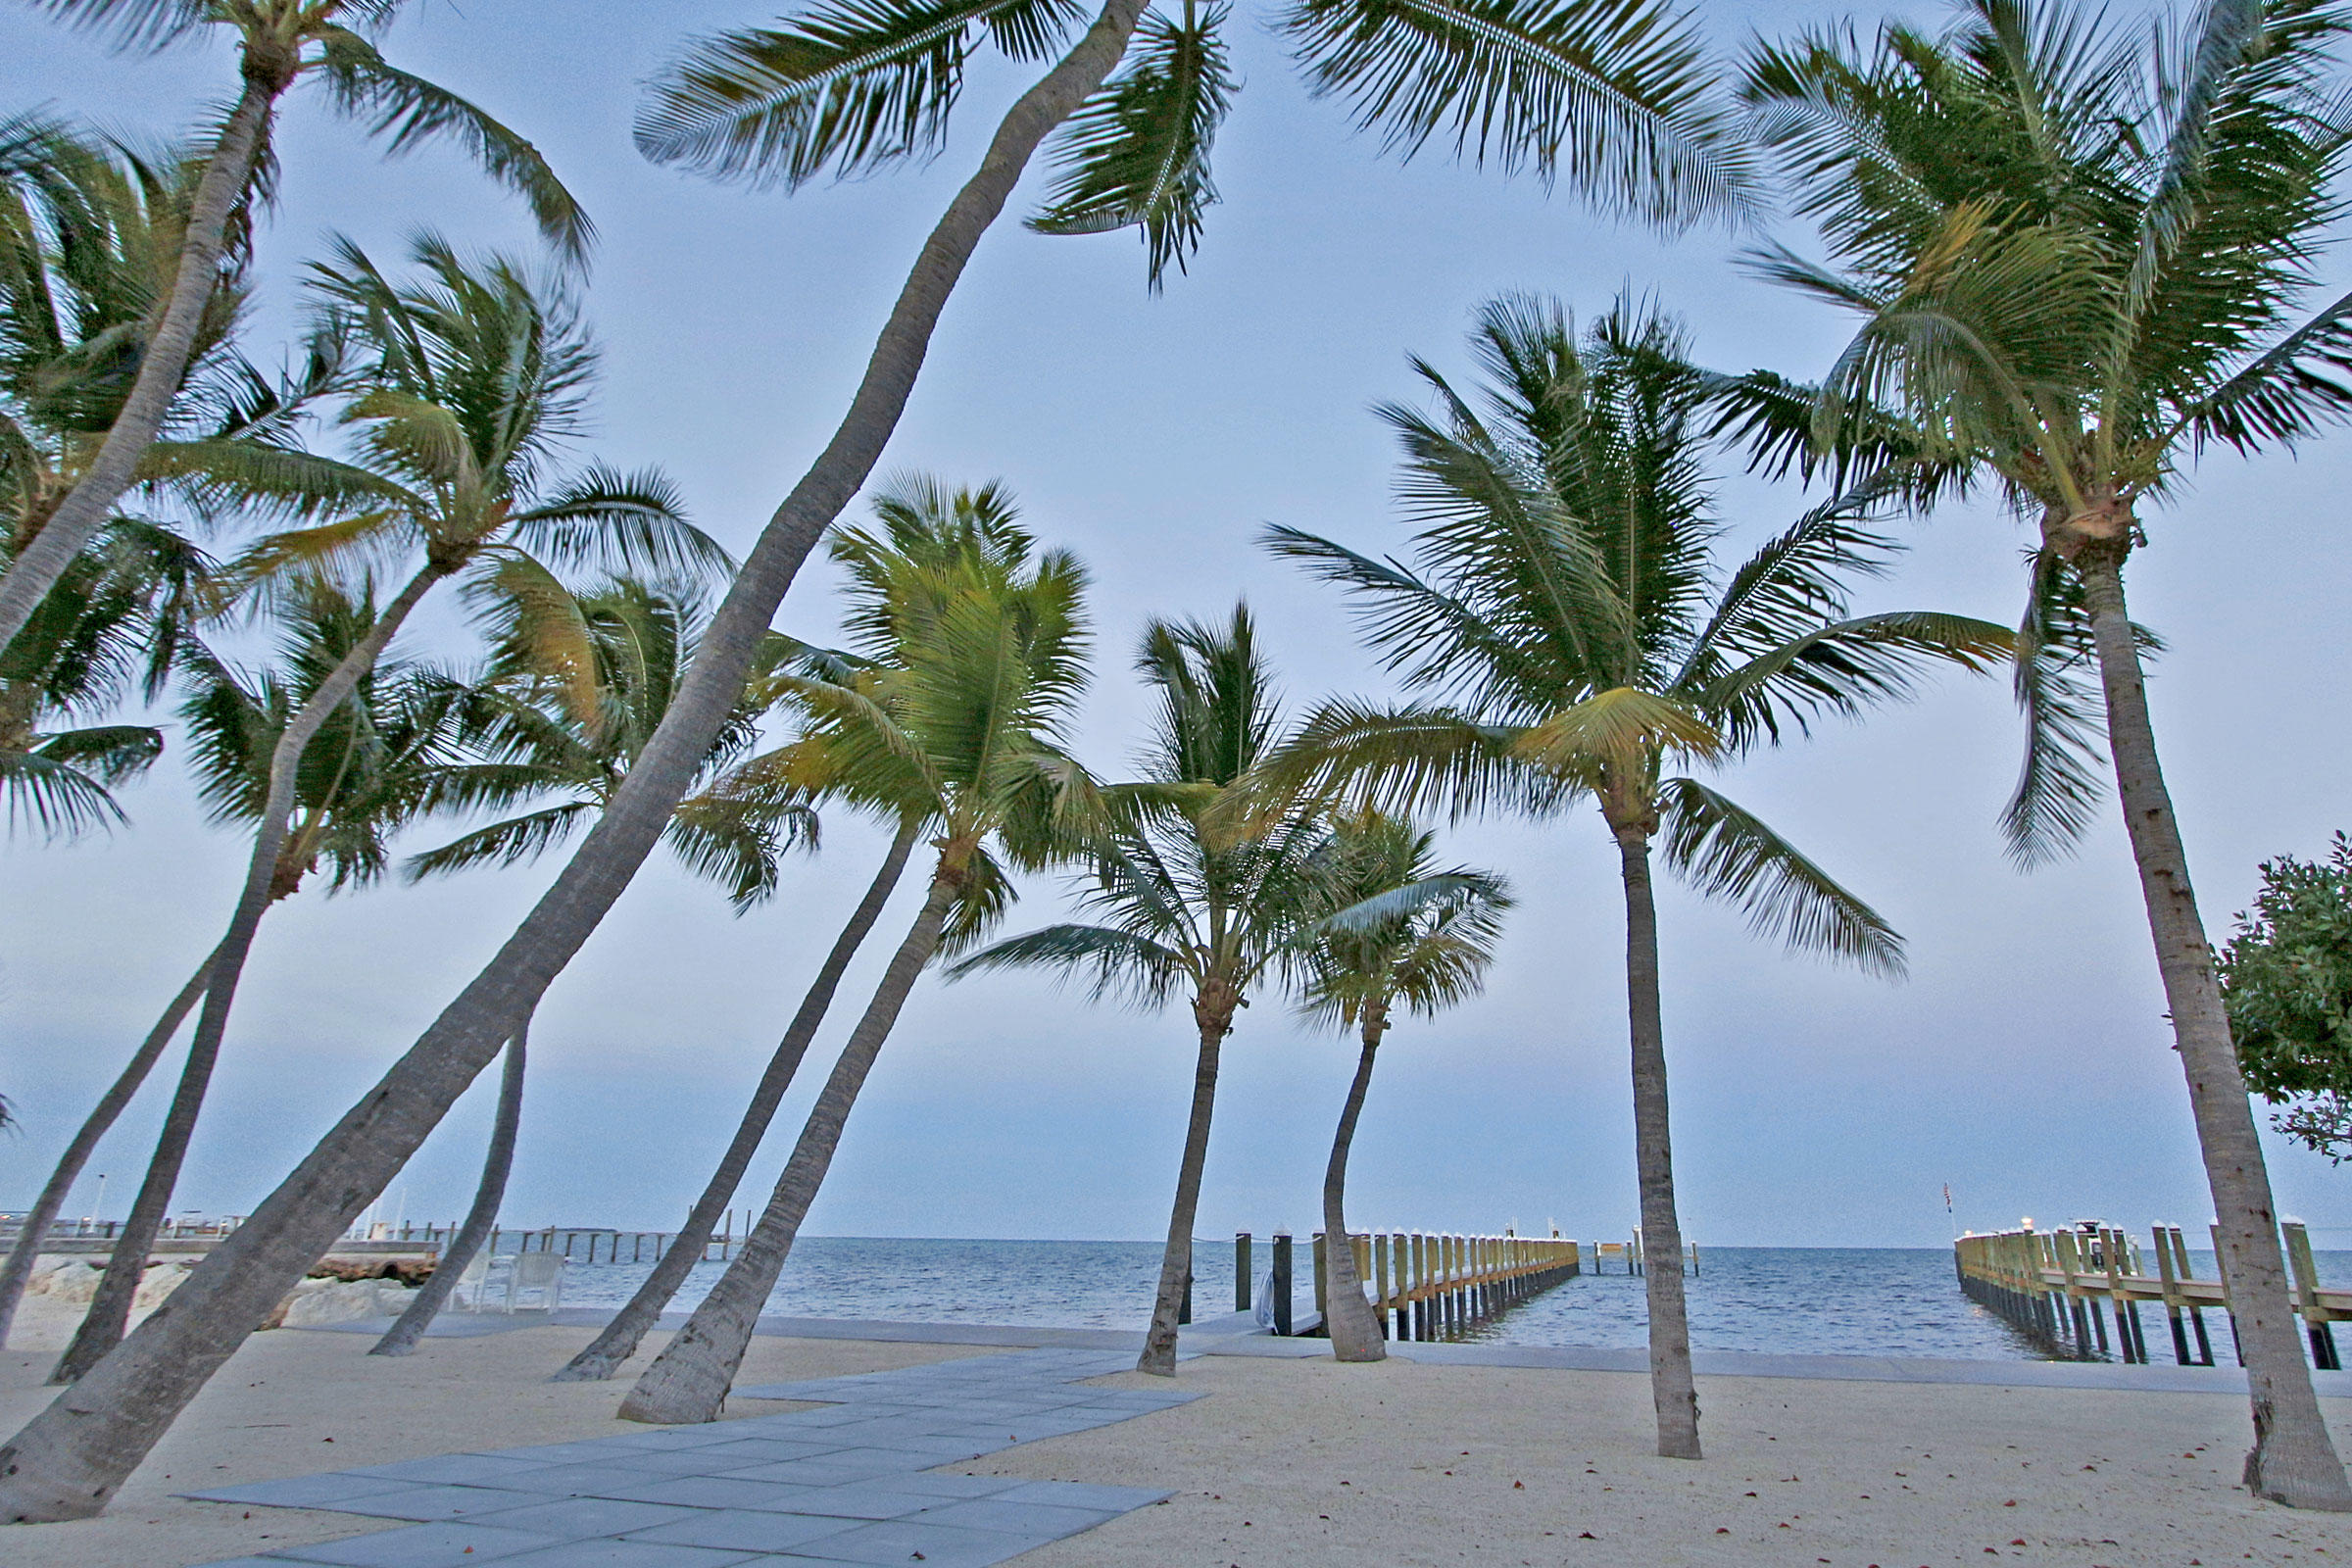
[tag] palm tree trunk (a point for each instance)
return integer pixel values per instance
(689, 1380)
(69, 1460)
(1348, 1318)
(103, 1326)
(402, 1337)
(18, 1269)
(2292, 1460)
(1670, 1386)
(1213, 1011)
(163, 366)
(618, 1341)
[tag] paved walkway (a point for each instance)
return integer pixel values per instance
(853, 1482)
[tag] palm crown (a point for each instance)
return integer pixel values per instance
(1407, 932)
(1574, 632)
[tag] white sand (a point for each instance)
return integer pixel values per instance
(1307, 1462)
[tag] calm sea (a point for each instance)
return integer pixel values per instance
(1827, 1300)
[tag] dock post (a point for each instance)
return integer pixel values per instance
(2172, 1297)
(1380, 1282)
(1320, 1246)
(2196, 1313)
(2221, 1267)
(1243, 1285)
(2316, 1326)
(1184, 1313)
(1423, 1246)
(1282, 1283)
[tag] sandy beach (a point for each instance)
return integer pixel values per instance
(1310, 1462)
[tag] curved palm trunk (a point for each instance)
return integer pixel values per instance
(2292, 1460)
(35, 1229)
(1213, 1010)
(1670, 1386)
(402, 1337)
(689, 1380)
(227, 172)
(1353, 1326)
(69, 1460)
(618, 1341)
(103, 1326)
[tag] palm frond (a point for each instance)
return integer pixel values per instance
(1724, 853)
(110, 754)
(1614, 731)
(54, 797)
(509, 843)
(2063, 778)
(1108, 961)
(1135, 154)
(607, 521)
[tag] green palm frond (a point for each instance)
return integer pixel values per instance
(1618, 730)
(1846, 666)
(1412, 759)
(1723, 852)
(1610, 96)
(362, 84)
(606, 520)
(2063, 778)
(257, 480)
(1108, 961)
(511, 842)
(110, 754)
(1135, 154)
(53, 797)
(850, 85)
(2287, 392)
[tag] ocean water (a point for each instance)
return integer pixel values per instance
(1824, 1301)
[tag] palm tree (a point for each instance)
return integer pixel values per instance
(1409, 934)
(2081, 253)
(576, 685)
(978, 655)
(473, 380)
(1196, 898)
(920, 521)
(279, 42)
(377, 766)
(1578, 639)
(1606, 94)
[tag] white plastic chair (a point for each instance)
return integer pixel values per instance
(542, 1272)
(470, 1292)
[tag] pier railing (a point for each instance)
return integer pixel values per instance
(1427, 1286)
(2061, 1288)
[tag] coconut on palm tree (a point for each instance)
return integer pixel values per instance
(470, 382)
(1195, 898)
(1407, 936)
(2081, 253)
(977, 658)
(279, 42)
(1606, 95)
(1579, 639)
(576, 684)
(378, 764)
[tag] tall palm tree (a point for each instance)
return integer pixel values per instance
(1409, 934)
(978, 655)
(1606, 95)
(920, 521)
(1579, 640)
(472, 382)
(576, 685)
(378, 765)
(2080, 253)
(278, 43)
(1196, 898)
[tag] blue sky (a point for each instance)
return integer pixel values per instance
(2025, 1061)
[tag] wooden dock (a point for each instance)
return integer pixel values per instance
(1422, 1285)
(2061, 1288)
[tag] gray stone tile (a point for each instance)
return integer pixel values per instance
(626, 1554)
(717, 1491)
(701, 1435)
(694, 1461)
(901, 1539)
(303, 1492)
(589, 1480)
(453, 1544)
(1017, 1518)
(588, 1451)
(1083, 1494)
(909, 1453)
(824, 1472)
(246, 1562)
(875, 1500)
(455, 1470)
(578, 1518)
(747, 1530)
(931, 1482)
(438, 1502)
(763, 1451)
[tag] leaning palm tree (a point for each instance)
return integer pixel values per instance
(2081, 253)
(1579, 640)
(1606, 95)
(576, 686)
(1408, 934)
(279, 42)
(921, 521)
(1196, 898)
(471, 381)
(978, 660)
(377, 766)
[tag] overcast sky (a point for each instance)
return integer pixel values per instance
(2025, 1061)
